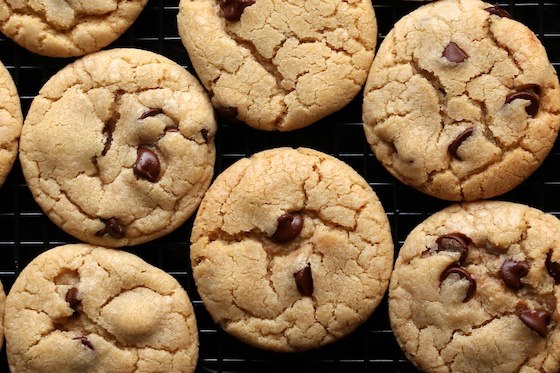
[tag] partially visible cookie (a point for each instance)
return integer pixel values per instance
(67, 28)
(11, 120)
(475, 289)
(118, 147)
(2, 307)
(291, 250)
(461, 101)
(279, 65)
(80, 308)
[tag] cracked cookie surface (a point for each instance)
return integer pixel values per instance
(281, 65)
(118, 147)
(67, 28)
(461, 101)
(291, 250)
(475, 289)
(81, 308)
(11, 120)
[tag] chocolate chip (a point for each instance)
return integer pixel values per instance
(113, 227)
(529, 92)
(204, 133)
(304, 281)
(147, 164)
(150, 113)
(171, 129)
(108, 130)
(462, 272)
(452, 148)
(289, 226)
(72, 298)
(496, 10)
(232, 9)
(85, 342)
(552, 268)
(455, 241)
(454, 54)
(536, 320)
(512, 272)
(229, 113)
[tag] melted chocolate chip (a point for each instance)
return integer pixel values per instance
(454, 54)
(529, 92)
(85, 342)
(304, 281)
(228, 113)
(512, 272)
(112, 227)
(552, 268)
(289, 226)
(452, 148)
(204, 133)
(72, 298)
(496, 10)
(536, 320)
(147, 164)
(232, 9)
(463, 273)
(455, 241)
(151, 112)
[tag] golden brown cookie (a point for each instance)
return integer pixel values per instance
(11, 120)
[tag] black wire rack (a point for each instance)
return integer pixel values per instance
(25, 231)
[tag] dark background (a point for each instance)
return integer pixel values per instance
(25, 231)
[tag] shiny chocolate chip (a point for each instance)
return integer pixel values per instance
(455, 241)
(72, 298)
(454, 54)
(536, 320)
(171, 129)
(151, 113)
(288, 228)
(552, 268)
(232, 9)
(529, 92)
(452, 148)
(85, 342)
(463, 273)
(497, 11)
(147, 164)
(512, 272)
(112, 227)
(304, 281)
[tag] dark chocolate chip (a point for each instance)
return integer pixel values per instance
(512, 272)
(113, 227)
(454, 54)
(552, 268)
(529, 92)
(108, 130)
(289, 226)
(232, 9)
(496, 10)
(171, 129)
(452, 148)
(536, 320)
(147, 164)
(151, 112)
(228, 113)
(204, 133)
(304, 281)
(72, 298)
(455, 241)
(462, 272)
(85, 342)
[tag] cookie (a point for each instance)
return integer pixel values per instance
(118, 147)
(461, 101)
(81, 308)
(11, 121)
(2, 307)
(291, 250)
(475, 289)
(279, 65)
(67, 28)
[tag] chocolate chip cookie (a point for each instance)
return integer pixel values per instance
(461, 101)
(475, 289)
(80, 308)
(67, 28)
(291, 250)
(11, 121)
(118, 147)
(279, 65)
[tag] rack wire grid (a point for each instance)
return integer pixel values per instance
(25, 231)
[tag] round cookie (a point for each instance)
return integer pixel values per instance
(279, 65)
(118, 147)
(67, 28)
(291, 250)
(2, 307)
(11, 121)
(461, 101)
(475, 289)
(81, 308)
